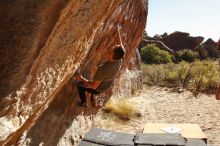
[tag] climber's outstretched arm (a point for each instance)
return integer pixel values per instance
(119, 40)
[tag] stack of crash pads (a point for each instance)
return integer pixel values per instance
(153, 135)
(192, 133)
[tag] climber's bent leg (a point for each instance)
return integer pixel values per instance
(82, 93)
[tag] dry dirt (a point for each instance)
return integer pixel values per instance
(158, 104)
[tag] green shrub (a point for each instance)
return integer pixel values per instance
(186, 55)
(153, 74)
(185, 73)
(172, 77)
(153, 55)
(199, 76)
(206, 76)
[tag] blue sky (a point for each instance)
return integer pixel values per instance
(198, 17)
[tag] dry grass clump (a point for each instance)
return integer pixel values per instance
(123, 108)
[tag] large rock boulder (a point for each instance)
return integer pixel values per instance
(219, 44)
(181, 40)
(209, 48)
(42, 45)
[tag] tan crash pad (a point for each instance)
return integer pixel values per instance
(187, 130)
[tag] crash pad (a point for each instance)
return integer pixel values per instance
(159, 139)
(108, 137)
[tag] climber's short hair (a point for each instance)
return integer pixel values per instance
(118, 52)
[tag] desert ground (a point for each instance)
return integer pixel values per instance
(162, 105)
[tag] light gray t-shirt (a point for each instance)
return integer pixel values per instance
(106, 73)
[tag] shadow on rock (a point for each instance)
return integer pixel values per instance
(57, 119)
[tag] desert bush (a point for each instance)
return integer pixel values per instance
(153, 74)
(199, 76)
(170, 73)
(186, 55)
(205, 76)
(123, 108)
(172, 77)
(151, 54)
(185, 73)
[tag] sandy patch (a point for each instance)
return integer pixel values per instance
(161, 105)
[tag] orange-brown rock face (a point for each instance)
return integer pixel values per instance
(49, 41)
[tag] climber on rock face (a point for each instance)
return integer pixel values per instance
(104, 75)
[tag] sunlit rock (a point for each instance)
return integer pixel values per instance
(42, 44)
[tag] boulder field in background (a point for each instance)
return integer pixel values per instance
(173, 42)
(181, 40)
(42, 44)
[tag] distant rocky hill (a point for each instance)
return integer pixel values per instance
(182, 40)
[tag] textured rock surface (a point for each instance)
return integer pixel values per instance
(25, 27)
(42, 44)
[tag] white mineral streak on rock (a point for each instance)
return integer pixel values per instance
(6, 127)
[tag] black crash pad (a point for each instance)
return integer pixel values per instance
(195, 142)
(159, 139)
(107, 137)
(85, 143)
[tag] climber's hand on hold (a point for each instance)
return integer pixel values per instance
(119, 27)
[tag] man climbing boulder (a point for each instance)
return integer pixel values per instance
(104, 76)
